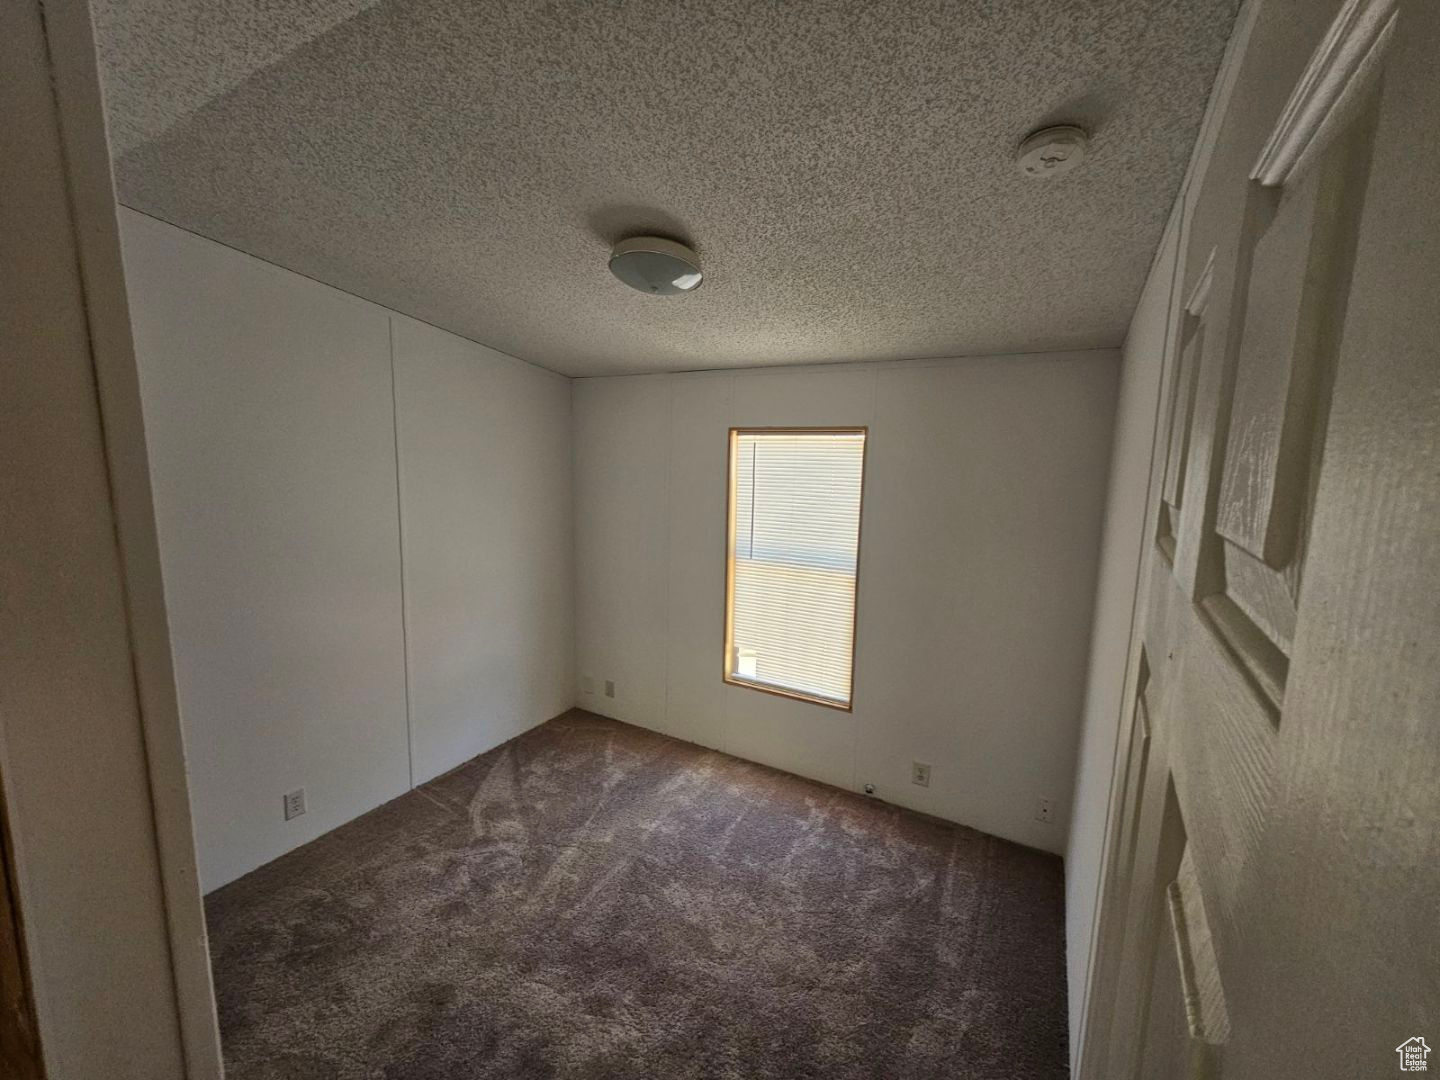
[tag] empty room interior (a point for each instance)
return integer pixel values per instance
(720, 540)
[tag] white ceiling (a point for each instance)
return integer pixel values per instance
(844, 167)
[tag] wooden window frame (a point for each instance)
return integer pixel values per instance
(730, 679)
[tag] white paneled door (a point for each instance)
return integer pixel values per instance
(1271, 905)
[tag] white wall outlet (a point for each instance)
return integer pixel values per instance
(295, 803)
(587, 684)
(920, 773)
(609, 687)
(1045, 811)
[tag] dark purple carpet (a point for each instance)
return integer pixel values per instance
(594, 900)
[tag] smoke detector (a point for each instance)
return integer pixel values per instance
(656, 266)
(1052, 151)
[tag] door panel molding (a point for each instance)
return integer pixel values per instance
(1344, 65)
(1285, 215)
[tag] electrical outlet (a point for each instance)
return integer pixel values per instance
(295, 803)
(920, 773)
(609, 687)
(1045, 811)
(587, 684)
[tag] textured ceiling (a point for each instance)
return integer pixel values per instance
(164, 59)
(844, 167)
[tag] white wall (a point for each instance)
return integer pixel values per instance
(983, 497)
(484, 450)
(291, 424)
(1136, 417)
(271, 410)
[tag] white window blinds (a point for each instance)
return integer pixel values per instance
(794, 549)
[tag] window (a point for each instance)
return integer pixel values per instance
(792, 560)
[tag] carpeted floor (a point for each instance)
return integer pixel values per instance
(594, 900)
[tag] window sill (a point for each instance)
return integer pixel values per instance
(793, 695)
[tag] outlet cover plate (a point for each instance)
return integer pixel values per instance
(295, 804)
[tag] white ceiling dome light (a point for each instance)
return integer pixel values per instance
(656, 266)
(1052, 151)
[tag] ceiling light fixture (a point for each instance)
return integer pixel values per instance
(656, 266)
(1052, 151)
